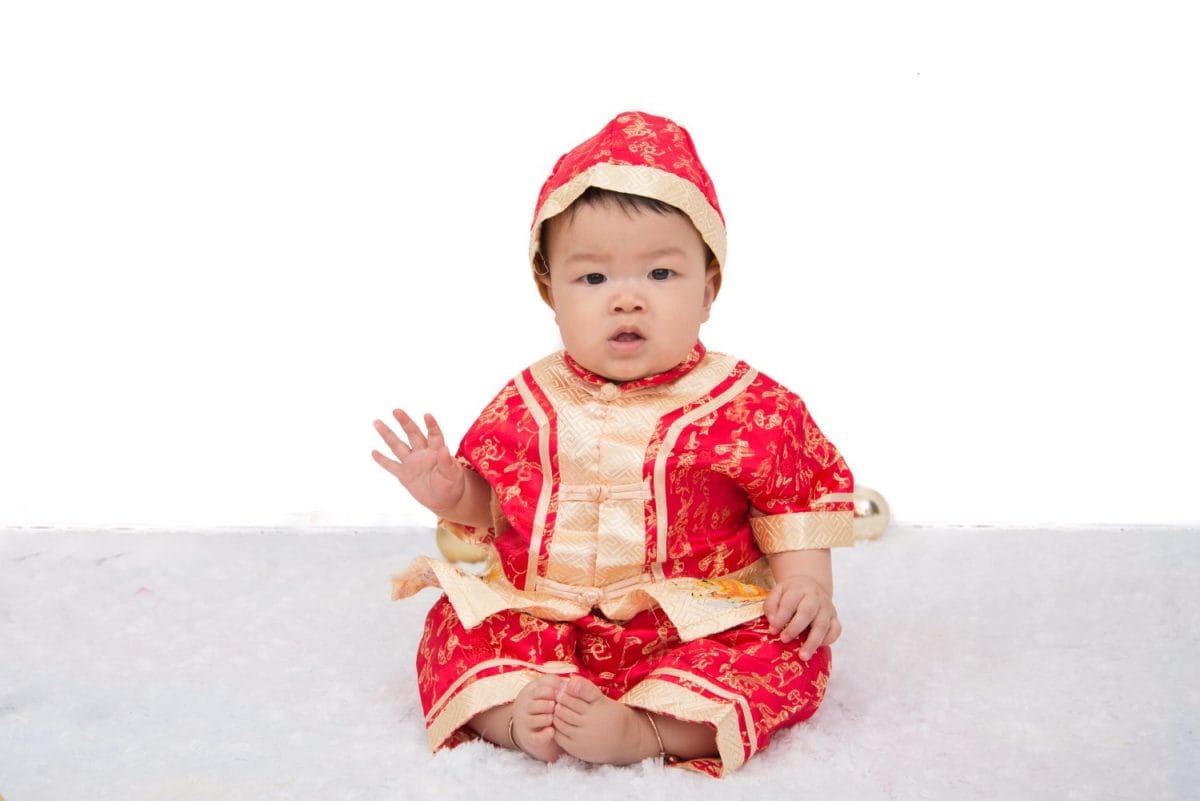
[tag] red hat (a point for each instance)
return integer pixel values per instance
(639, 154)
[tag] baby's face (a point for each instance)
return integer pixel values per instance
(629, 289)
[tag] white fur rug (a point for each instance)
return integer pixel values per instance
(976, 663)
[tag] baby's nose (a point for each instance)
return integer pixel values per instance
(626, 299)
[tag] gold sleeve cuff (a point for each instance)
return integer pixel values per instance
(798, 531)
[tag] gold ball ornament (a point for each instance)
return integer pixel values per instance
(458, 550)
(871, 514)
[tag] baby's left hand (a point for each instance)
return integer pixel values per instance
(797, 603)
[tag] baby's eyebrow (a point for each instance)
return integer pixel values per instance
(590, 257)
(586, 257)
(669, 251)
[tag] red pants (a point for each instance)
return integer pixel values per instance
(744, 682)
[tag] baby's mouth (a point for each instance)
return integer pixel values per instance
(628, 336)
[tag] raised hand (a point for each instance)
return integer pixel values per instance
(423, 464)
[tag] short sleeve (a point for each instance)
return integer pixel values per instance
(490, 448)
(802, 494)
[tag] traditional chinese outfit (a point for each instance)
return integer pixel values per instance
(630, 521)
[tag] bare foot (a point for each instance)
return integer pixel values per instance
(591, 726)
(533, 718)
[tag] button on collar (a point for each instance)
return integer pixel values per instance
(609, 392)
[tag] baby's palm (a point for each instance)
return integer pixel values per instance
(425, 466)
(434, 485)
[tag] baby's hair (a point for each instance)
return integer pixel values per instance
(595, 196)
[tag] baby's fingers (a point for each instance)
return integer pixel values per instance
(835, 631)
(436, 439)
(806, 612)
(416, 438)
(777, 615)
(387, 464)
(819, 633)
(394, 443)
(781, 608)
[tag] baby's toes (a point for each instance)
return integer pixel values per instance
(539, 707)
(568, 719)
(578, 694)
(540, 744)
(543, 688)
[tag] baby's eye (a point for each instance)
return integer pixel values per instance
(594, 278)
(661, 273)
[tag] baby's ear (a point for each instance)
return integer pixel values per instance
(541, 272)
(712, 284)
(544, 280)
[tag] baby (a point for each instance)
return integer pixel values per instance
(658, 516)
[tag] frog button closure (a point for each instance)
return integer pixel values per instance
(591, 596)
(608, 392)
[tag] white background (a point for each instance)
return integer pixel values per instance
(234, 233)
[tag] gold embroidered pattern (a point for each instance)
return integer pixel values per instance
(674, 700)
(803, 530)
(728, 589)
(668, 445)
(543, 503)
(694, 613)
(599, 535)
(436, 708)
(834, 498)
(635, 179)
(460, 705)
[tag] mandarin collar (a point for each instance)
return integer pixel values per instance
(678, 371)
